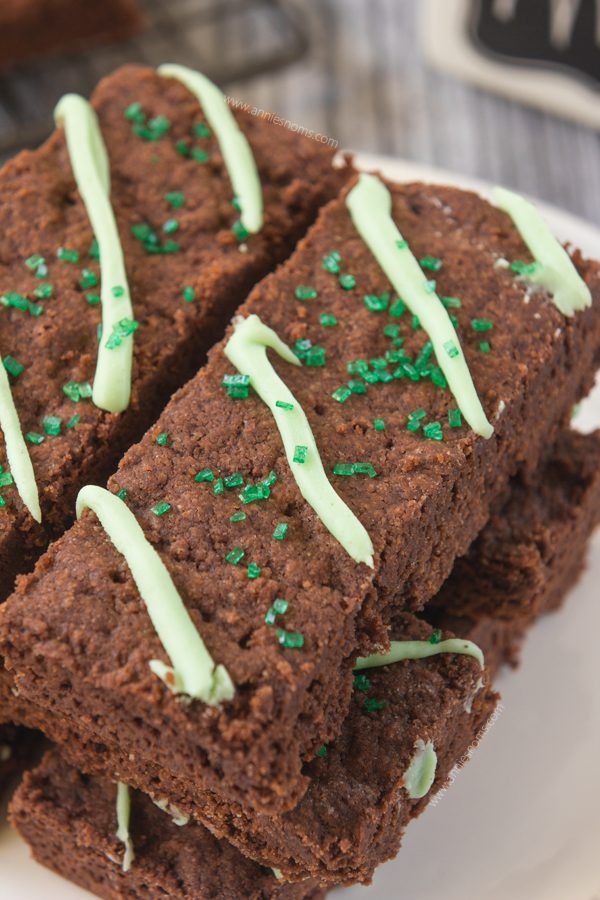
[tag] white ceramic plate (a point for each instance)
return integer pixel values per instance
(521, 821)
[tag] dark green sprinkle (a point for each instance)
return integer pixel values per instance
(438, 377)
(270, 479)
(14, 300)
(280, 531)
(12, 366)
(238, 516)
(417, 414)
(6, 479)
(451, 302)
(253, 570)
(189, 294)
(280, 606)
(34, 438)
(51, 425)
(290, 639)
(88, 279)
(347, 282)
(315, 357)
(77, 390)
(331, 262)
(233, 481)
(122, 494)
(451, 349)
(67, 255)
(159, 509)
(376, 304)
(322, 751)
(357, 387)
(415, 322)
(43, 291)
(200, 155)
(413, 425)
(2, 502)
(365, 468)
(454, 418)
(430, 286)
(431, 263)
(239, 230)
(327, 320)
(372, 704)
(379, 424)
(523, 268)
(175, 199)
(123, 329)
(485, 346)
(170, 226)
(341, 394)
(305, 292)
(201, 129)
(235, 556)
(436, 636)
(391, 331)
(74, 420)
(402, 244)
(182, 148)
(481, 324)
(135, 113)
(433, 431)
(300, 453)
(361, 682)
(162, 439)
(343, 469)
(218, 487)
(94, 251)
(237, 386)
(34, 262)
(204, 475)
(235, 202)
(397, 309)
(118, 291)
(283, 405)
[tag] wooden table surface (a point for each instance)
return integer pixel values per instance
(366, 84)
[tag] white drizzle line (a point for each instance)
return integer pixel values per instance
(89, 161)
(235, 148)
(400, 650)
(370, 206)
(555, 271)
(16, 449)
(123, 816)
(420, 774)
(194, 671)
(247, 350)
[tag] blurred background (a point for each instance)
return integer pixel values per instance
(506, 90)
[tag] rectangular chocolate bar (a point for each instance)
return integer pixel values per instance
(218, 500)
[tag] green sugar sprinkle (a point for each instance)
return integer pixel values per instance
(433, 431)
(134, 112)
(376, 304)
(347, 282)
(417, 414)
(451, 349)
(305, 292)
(34, 438)
(162, 439)
(77, 390)
(283, 405)
(436, 636)
(51, 425)
(310, 355)
(485, 346)
(402, 244)
(343, 469)
(218, 487)
(199, 155)
(43, 291)
(327, 320)
(357, 468)
(123, 329)
(237, 386)
(240, 231)
(159, 509)
(391, 331)
(34, 262)
(94, 251)
(451, 302)
(189, 294)
(279, 608)
(321, 752)
(454, 418)
(182, 147)
(341, 394)
(293, 640)
(235, 556)
(254, 492)
(233, 481)
(122, 494)
(397, 309)
(361, 682)
(280, 531)
(253, 570)
(379, 424)
(118, 291)
(204, 475)
(74, 420)
(238, 516)
(357, 387)
(67, 255)
(481, 324)
(523, 268)
(88, 279)
(175, 199)
(270, 479)
(12, 299)
(300, 453)
(6, 479)
(93, 299)
(170, 226)
(432, 263)
(372, 704)
(331, 262)
(415, 322)
(12, 366)
(2, 502)
(430, 286)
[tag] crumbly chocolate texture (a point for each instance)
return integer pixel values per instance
(33, 28)
(41, 211)
(69, 820)
(88, 660)
(354, 811)
(529, 555)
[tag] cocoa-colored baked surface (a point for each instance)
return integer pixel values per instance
(69, 820)
(76, 631)
(33, 28)
(41, 211)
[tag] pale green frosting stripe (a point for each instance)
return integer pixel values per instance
(123, 817)
(556, 272)
(194, 671)
(247, 350)
(420, 774)
(370, 207)
(16, 449)
(237, 153)
(89, 161)
(400, 650)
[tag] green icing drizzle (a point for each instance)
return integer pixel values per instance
(16, 449)
(236, 151)
(194, 671)
(555, 271)
(400, 650)
(89, 161)
(420, 774)
(370, 206)
(123, 816)
(247, 350)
